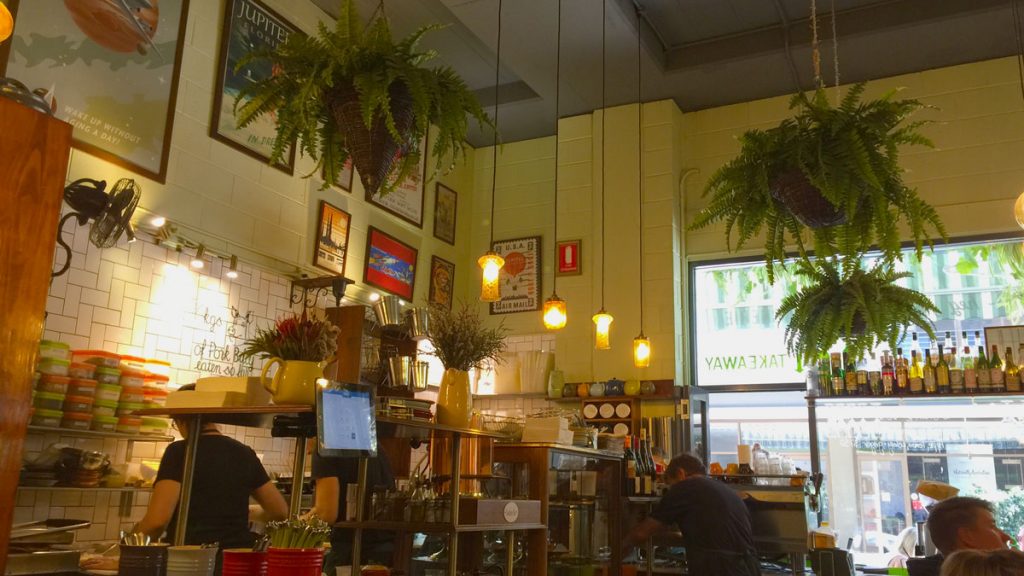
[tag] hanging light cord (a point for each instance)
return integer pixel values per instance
(494, 147)
(604, 124)
(1018, 30)
(835, 52)
(558, 71)
(640, 156)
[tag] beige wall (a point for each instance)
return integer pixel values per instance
(237, 204)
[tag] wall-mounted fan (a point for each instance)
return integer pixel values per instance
(110, 212)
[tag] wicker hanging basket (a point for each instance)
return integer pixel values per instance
(373, 149)
(805, 201)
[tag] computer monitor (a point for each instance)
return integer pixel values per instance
(346, 420)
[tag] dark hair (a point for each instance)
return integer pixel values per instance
(687, 463)
(947, 518)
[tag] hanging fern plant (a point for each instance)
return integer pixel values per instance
(864, 308)
(352, 91)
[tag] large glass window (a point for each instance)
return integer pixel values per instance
(737, 341)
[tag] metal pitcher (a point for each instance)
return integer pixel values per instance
(400, 370)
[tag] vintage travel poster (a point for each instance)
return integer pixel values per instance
(520, 276)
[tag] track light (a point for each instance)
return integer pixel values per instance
(197, 260)
(232, 272)
(158, 221)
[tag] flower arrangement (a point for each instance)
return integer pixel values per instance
(296, 337)
(460, 339)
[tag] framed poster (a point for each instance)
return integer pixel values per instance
(520, 280)
(406, 200)
(113, 72)
(331, 250)
(568, 258)
(446, 204)
(442, 282)
(344, 177)
(390, 264)
(248, 26)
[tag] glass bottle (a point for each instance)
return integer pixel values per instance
(967, 364)
(995, 370)
(914, 346)
(836, 361)
(850, 375)
(1011, 375)
(888, 375)
(902, 372)
(916, 374)
(981, 367)
(942, 373)
(930, 386)
(630, 458)
(947, 344)
(824, 376)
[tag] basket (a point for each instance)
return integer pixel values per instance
(805, 201)
(511, 426)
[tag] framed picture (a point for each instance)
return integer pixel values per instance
(442, 282)
(520, 276)
(406, 200)
(344, 177)
(331, 250)
(390, 264)
(446, 204)
(248, 25)
(568, 258)
(113, 72)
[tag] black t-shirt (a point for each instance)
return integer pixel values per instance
(226, 472)
(346, 470)
(713, 519)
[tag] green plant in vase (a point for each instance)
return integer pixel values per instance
(302, 347)
(353, 91)
(461, 342)
(864, 308)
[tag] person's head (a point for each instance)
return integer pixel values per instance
(965, 523)
(683, 466)
(984, 563)
(182, 424)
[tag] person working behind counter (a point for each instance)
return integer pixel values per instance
(714, 521)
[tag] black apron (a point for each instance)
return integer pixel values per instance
(722, 563)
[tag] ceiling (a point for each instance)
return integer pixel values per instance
(700, 53)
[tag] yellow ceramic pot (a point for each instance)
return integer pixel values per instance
(454, 402)
(294, 382)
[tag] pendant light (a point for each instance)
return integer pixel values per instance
(603, 320)
(6, 23)
(491, 262)
(554, 311)
(641, 344)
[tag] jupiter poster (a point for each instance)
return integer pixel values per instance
(109, 68)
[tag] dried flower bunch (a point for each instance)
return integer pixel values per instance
(460, 339)
(297, 337)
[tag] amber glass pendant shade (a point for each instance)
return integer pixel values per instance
(602, 330)
(641, 351)
(554, 313)
(490, 289)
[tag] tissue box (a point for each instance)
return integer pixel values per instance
(552, 430)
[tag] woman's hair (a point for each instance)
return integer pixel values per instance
(984, 563)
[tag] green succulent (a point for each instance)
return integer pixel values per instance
(309, 69)
(864, 308)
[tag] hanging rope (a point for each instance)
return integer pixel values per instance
(815, 48)
(835, 53)
(1018, 30)
(786, 44)
(494, 151)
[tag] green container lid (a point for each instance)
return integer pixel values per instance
(110, 387)
(131, 406)
(56, 361)
(104, 420)
(105, 404)
(54, 344)
(108, 370)
(50, 396)
(48, 413)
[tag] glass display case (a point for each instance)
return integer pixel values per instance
(580, 504)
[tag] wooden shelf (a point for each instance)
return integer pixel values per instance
(95, 434)
(75, 489)
(606, 420)
(226, 410)
(978, 398)
(649, 397)
(435, 527)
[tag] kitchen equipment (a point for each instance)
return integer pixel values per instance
(399, 371)
(295, 561)
(418, 321)
(614, 387)
(45, 562)
(420, 373)
(388, 311)
(556, 381)
(244, 562)
(191, 561)
(142, 560)
(832, 562)
(110, 212)
(50, 531)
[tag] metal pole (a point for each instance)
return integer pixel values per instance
(298, 476)
(195, 429)
(453, 535)
(812, 433)
(357, 539)
(510, 552)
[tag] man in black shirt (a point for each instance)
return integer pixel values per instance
(713, 519)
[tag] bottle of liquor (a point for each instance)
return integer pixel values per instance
(934, 349)
(1011, 375)
(981, 367)
(863, 389)
(995, 370)
(630, 458)
(850, 375)
(836, 361)
(914, 346)
(902, 372)
(967, 364)
(652, 465)
(942, 374)
(824, 377)
(888, 375)
(947, 344)
(650, 468)
(916, 374)
(642, 472)
(930, 385)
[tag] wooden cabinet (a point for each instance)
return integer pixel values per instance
(34, 151)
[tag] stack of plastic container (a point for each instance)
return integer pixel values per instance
(145, 387)
(50, 383)
(105, 379)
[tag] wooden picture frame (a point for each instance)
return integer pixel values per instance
(408, 200)
(520, 279)
(442, 282)
(330, 244)
(569, 254)
(118, 88)
(446, 208)
(390, 264)
(236, 39)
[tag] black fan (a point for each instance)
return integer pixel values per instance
(111, 212)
